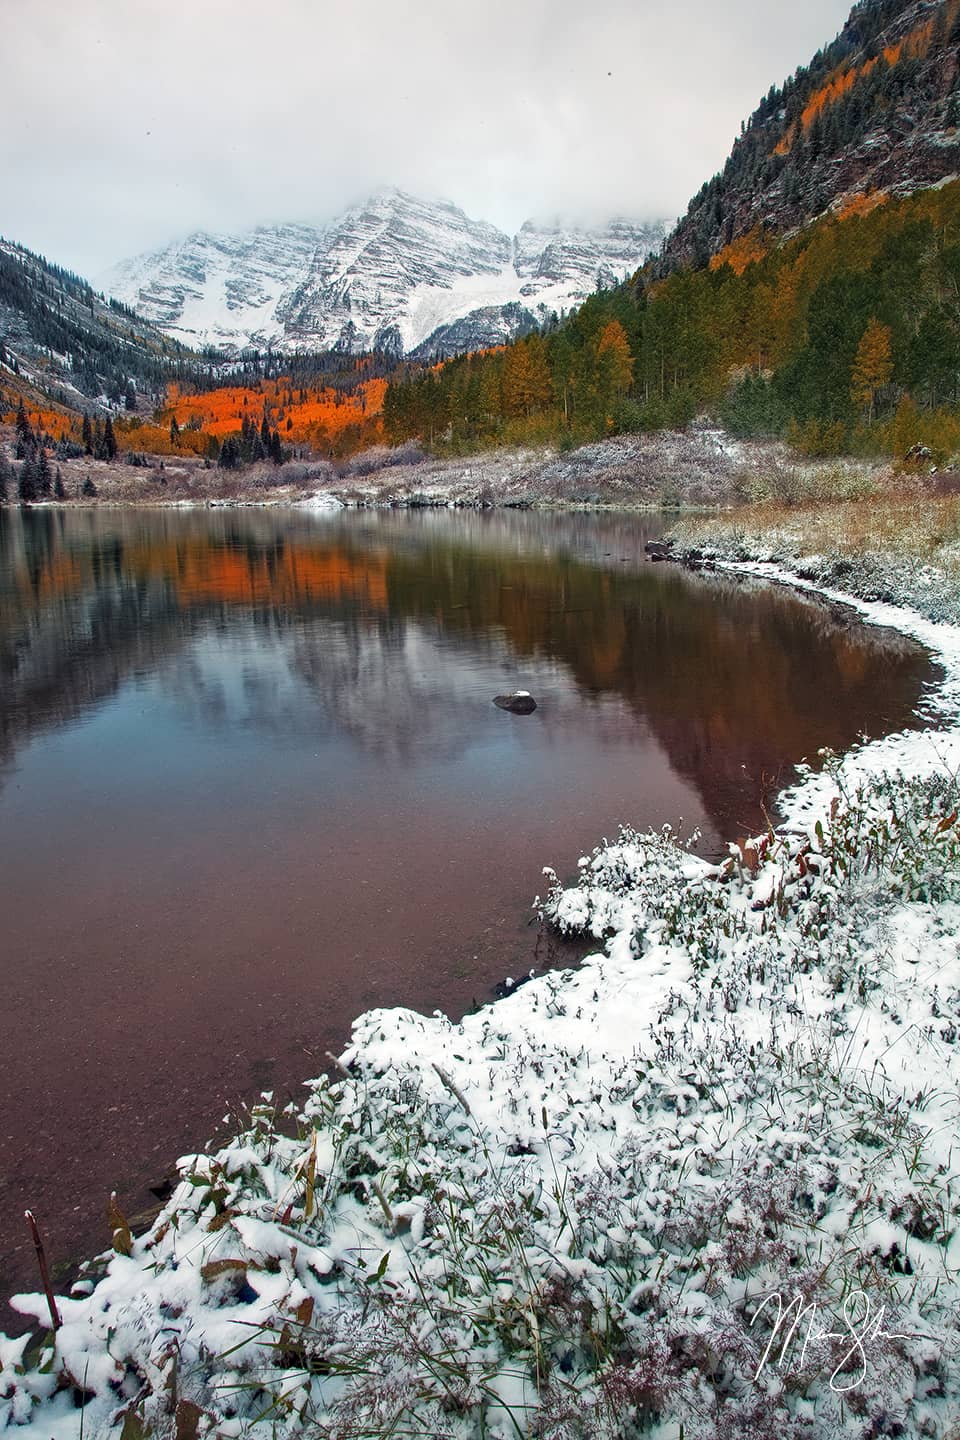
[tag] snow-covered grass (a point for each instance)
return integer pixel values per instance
(901, 545)
(569, 1214)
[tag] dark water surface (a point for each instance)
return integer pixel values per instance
(252, 783)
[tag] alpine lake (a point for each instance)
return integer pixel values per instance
(253, 782)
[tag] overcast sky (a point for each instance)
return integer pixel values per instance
(128, 123)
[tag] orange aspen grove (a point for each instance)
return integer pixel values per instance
(861, 204)
(308, 416)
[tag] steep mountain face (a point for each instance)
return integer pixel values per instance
(60, 340)
(875, 112)
(579, 258)
(396, 274)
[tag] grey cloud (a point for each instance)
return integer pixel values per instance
(128, 124)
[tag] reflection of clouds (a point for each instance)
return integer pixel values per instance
(397, 693)
(241, 679)
(400, 692)
(390, 689)
(410, 694)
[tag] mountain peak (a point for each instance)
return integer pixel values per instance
(394, 271)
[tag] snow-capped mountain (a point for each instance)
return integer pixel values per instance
(396, 273)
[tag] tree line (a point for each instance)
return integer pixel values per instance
(845, 337)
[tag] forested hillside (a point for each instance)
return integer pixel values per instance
(62, 341)
(846, 336)
(875, 110)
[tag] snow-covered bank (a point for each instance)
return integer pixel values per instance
(561, 1216)
(898, 548)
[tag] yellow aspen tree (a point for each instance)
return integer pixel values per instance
(541, 387)
(873, 365)
(615, 356)
(526, 379)
(516, 381)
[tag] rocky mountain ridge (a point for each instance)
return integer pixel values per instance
(398, 274)
(875, 113)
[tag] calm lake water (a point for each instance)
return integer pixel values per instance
(252, 783)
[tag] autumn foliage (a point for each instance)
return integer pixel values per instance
(58, 423)
(320, 418)
(872, 365)
(818, 338)
(855, 206)
(304, 416)
(740, 253)
(913, 46)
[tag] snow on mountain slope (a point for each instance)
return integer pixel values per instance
(579, 258)
(209, 289)
(392, 273)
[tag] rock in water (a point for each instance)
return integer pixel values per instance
(521, 702)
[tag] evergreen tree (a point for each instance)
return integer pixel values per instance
(934, 355)
(229, 454)
(88, 489)
(27, 490)
(87, 434)
(25, 439)
(59, 489)
(109, 439)
(44, 477)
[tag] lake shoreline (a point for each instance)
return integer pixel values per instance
(901, 550)
(438, 1092)
(701, 468)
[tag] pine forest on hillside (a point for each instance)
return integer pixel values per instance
(846, 337)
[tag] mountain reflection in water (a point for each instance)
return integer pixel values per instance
(252, 782)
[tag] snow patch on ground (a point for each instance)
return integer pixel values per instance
(322, 500)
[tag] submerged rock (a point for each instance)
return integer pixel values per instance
(521, 702)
